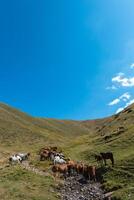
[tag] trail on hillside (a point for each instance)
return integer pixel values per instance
(27, 166)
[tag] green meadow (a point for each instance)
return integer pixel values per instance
(79, 140)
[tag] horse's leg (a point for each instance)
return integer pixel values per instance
(55, 176)
(40, 157)
(95, 178)
(65, 174)
(101, 162)
(89, 176)
(18, 161)
(73, 170)
(105, 162)
(112, 160)
(54, 162)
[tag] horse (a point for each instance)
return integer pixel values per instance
(44, 156)
(15, 159)
(89, 172)
(61, 155)
(24, 156)
(106, 156)
(98, 158)
(71, 166)
(52, 155)
(54, 148)
(44, 149)
(58, 160)
(63, 169)
(92, 172)
(79, 168)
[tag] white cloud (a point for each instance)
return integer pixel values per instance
(119, 110)
(111, 88)
(125, 97)
(123, 81)
(114, 102)
(132, 66)
(127, 104)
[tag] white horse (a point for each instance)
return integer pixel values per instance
(58, 160)
(24, 156)
(15, 159)
(61, 155)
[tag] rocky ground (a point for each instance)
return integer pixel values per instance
(77, 188)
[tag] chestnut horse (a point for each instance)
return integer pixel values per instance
(63, 169)
(89, 172)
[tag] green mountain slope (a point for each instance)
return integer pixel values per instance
(18, 129)
(80, 140)
(114, 134)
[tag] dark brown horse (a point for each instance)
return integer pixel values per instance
(106, 156)
(98, 158)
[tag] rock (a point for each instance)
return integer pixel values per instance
(77, 188)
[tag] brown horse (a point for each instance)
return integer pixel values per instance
(80, 168)
(71, 166)
(89, 172)
(106, 156)
(42, 150)
(54, 148)
(92, 172)
(44, 155)
(63, 169)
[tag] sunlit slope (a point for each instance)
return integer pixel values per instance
(114, 134)
(17, 129)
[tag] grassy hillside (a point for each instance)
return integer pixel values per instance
(79, 140)
(114, 134)
(18, 129)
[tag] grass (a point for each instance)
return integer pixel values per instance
(78, 139)
(17, 183)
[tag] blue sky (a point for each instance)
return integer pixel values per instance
(67, 59)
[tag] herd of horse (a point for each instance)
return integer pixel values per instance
(63, 165)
